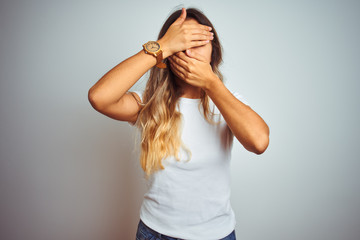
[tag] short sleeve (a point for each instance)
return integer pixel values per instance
(241, 98)
(140, 94)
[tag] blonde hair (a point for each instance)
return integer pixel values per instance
(159, 119)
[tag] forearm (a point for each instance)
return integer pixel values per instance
(116, 82)
(246, 125)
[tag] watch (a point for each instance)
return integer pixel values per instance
(154, 48)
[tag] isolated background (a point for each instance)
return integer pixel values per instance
(70, 173)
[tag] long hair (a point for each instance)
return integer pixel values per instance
(159, 119)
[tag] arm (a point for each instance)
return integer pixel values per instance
(108, 95)
(246, 125)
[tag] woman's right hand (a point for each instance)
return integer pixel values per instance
(181, 36)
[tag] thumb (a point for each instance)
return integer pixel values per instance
(182, 17)
(195, 55)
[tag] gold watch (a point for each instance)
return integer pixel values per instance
(154, 48)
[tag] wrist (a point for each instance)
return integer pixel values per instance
(212, 84)
(164, 47)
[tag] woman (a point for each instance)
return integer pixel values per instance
(187, 118)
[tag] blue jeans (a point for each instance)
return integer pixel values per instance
(146, 233)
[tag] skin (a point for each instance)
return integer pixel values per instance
(192, 68)
(109, 94)
(190, 91)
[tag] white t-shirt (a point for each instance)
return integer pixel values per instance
(191, 200)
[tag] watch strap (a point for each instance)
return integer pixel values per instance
(159, 62)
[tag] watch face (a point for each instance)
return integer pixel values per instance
(152, 46)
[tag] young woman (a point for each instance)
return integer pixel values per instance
(187, 119)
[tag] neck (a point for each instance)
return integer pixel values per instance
(189, 91)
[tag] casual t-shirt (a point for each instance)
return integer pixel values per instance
(191, 199)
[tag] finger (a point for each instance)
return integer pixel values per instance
(198, 37)
(179, 61)
(198, 31)
(199, 43)
(177, 70)
(198, 26)
(182, 17)
(195, 55)
(182, 58)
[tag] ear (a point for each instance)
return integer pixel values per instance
(195, 55)
(182, 17)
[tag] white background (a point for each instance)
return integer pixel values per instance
(68, 172)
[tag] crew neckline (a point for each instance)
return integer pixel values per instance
(190, 100)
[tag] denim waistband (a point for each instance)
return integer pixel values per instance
(157, 234)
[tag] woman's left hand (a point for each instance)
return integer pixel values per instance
(192, 68)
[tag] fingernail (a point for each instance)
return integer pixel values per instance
(210, 28)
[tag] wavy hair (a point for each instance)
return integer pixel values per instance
(159, 119)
